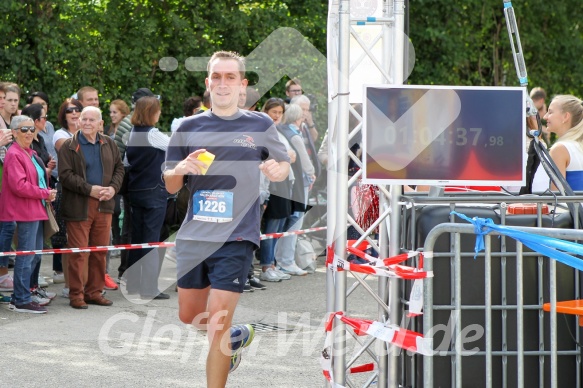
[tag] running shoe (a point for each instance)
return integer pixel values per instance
(241, 337)
(110, 284)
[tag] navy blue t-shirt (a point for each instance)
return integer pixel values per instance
(240, 143)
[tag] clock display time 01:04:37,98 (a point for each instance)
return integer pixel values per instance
(450, 136)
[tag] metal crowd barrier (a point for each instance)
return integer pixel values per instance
(502, 356)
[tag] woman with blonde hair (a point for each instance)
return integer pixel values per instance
(565, 118)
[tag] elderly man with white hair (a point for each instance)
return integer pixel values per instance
(91, 173)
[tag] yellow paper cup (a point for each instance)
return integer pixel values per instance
(207, 158)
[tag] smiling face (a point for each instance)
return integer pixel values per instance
(91, 123)
(24, 139)
(72, 114)
(224, 84)
(558, 121)
(115, 114)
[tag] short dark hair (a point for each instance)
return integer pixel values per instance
(38, 94)
(34, 111)
(62, 116)
(146, 108)
(190, 104)
(272, 103)
(228, 55)
(538, 93)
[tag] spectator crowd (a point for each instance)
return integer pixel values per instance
(95, 175)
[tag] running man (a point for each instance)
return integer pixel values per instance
(216, 241)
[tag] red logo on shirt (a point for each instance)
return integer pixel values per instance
(246, 141)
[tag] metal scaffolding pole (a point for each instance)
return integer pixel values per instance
(396, 191)
(339, 345)
(389, 63)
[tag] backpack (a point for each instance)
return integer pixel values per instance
(305, 255)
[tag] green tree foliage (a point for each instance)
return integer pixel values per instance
(58, 46)
(465, 42)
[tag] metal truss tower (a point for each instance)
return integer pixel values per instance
(365, 39)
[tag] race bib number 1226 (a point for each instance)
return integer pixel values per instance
(212, 206)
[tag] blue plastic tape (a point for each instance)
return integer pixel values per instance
(547, 246)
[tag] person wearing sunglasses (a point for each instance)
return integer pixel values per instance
(48, 132)
(24, 193)
(39, 116)
(68, 118)
(37, 113)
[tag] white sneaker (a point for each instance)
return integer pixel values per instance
(58, 278)
(65, 292)
(6, 283)
(44, 293)
(40, 301)
(293, 269)
(269, 276)
(42, 282)
(282, 276)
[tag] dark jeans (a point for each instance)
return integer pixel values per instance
(115, 229)
(30, 237)
(148, 211)
(125, 237)
(6, 233)
(57, 260)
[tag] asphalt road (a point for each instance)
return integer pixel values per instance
(136, 344)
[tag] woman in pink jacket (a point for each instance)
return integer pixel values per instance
(24, 192)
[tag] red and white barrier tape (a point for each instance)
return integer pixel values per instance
(284, 234)
(388, 267)
(381, 267)
(392, 334)
(142, 246)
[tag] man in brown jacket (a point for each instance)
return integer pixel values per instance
(91, 172)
